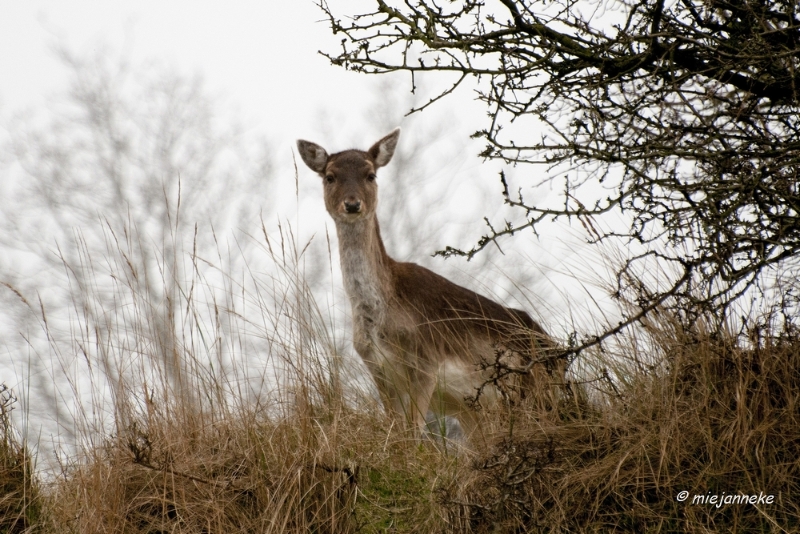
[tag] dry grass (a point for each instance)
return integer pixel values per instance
(322, 472)
(187, 452)
(722, 420)
(20, 503)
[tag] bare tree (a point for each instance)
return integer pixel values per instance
(685, 113)
(115, 202)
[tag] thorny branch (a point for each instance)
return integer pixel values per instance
(687, 113)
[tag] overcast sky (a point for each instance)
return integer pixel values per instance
(261, 56)
(259, 60)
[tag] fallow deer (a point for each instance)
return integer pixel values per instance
(425, 340)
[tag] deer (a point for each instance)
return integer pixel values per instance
(426, 341)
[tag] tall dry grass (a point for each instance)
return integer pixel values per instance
(186, 430)
(215, 403)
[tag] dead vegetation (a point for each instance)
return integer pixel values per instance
(720, 417)
(723, 420)
(20, 503)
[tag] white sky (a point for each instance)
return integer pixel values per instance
(261, 55)
(258, 59)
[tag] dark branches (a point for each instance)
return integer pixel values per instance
(686, 111)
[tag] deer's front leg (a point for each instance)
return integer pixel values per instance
(411, 376)
(378, 361)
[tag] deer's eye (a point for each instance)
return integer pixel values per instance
(330, 178)
(371, 177)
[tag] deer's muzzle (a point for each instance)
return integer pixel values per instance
(352, 206)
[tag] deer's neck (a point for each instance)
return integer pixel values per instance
(365, 267)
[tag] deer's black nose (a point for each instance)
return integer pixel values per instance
(352, 207)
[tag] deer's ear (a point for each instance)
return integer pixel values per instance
(383, 150)
(313, 155)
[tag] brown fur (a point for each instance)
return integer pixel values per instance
(417, 332)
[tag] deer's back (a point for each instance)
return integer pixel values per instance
(443, 309)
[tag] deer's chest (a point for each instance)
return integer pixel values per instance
(363, 287)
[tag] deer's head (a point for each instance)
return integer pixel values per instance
(349, 177)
